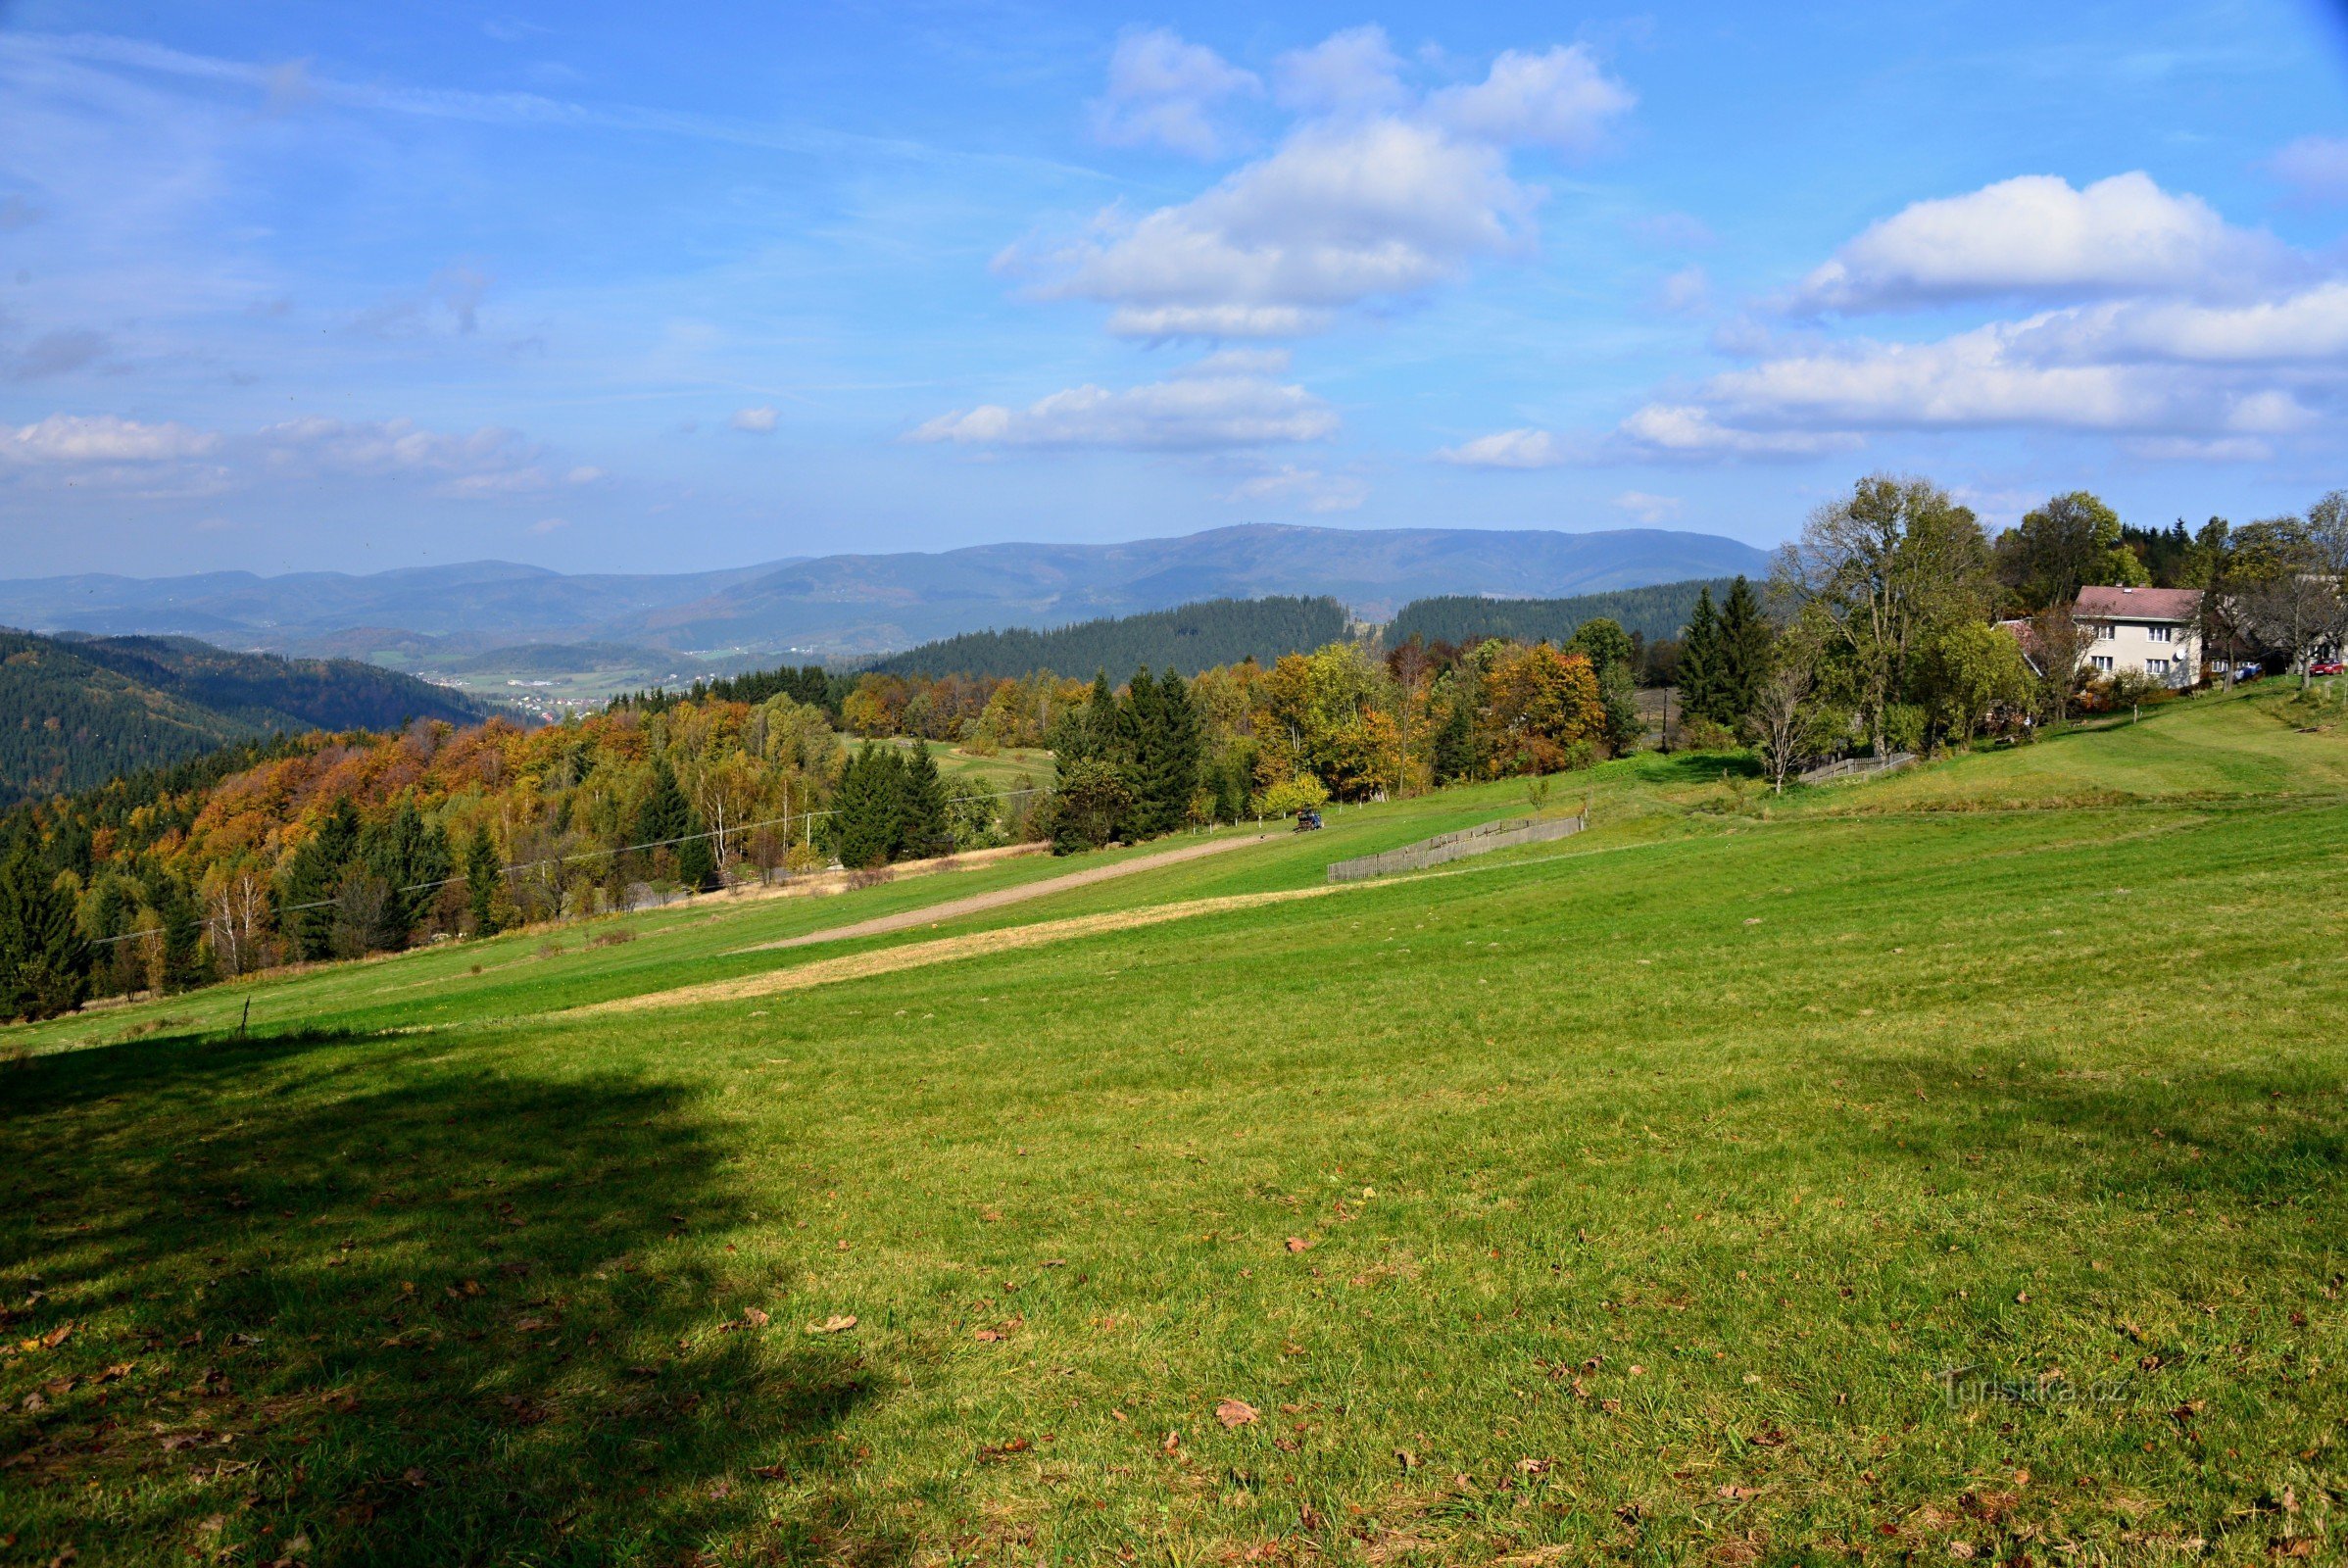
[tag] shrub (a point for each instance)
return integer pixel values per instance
(1293, 795)
(612, 938)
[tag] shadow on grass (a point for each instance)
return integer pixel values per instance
(350, 1291)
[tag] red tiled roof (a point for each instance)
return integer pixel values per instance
(2138, 604)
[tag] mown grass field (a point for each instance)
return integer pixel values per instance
(1943, 1168)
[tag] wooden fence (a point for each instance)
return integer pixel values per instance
(1858, 767)
(1455, 846)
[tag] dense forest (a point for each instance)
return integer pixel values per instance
(76, 712)
(1186, 639)
(1652, 614)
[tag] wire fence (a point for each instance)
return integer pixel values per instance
(1457, 846)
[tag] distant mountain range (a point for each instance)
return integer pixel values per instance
(854, 605)
(76, 712)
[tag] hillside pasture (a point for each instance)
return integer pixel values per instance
(1940, 1168)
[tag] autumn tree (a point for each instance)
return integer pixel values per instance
(1889, 567)
(1542, 709)
(2073, 541)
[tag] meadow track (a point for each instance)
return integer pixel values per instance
(978, 903)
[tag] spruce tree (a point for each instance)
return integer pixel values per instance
(696, 864)
(44, 963)
(484, 881)
(1166, 760)
(1700, 684)
(924, 827)
(410, 858)
(1745, 653)
(664, 816)
(312, 878)
(865, 811)
(184, 965)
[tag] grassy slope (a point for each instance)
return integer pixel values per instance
(1772, 1120)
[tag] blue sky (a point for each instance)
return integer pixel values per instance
(289, 286)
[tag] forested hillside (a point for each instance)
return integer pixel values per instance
(1655, 615)
(76, 713)
(1187, 639)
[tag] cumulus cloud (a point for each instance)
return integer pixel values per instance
(1375, 194)
(755, 421)
(486, 464)
(1558, 99)
(75, 439)
(1684, 430)
(2036, 235)
(1164, 90)
(1507, 449)
(1224, 400)
(1302, 489)
(2316, 167)
(1342, 213)
(2196, 340)
(1345, 72)
(1686, 292)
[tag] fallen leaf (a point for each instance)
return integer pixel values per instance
(993, 1452)
(754, 1317)
(1234, 1413)
(1173, 1441)
(837, 1323)
(1533, 1467)
(1298, 1244)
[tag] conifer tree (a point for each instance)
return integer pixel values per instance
(697, 865)
(1700, 660)
(183, 961)
(665, 815)
(1745, 653)
(44, 963)
(924, 827)
(1171, 742)
(484, 883)
(408, 857)
(865, 809)
(312, 878)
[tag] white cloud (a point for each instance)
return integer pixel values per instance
(391, 446)
(2210, 342)
(1162, 90)
(755, 421)
(1303, 489)
(2304, 326)
(1507, 449)
(583, 474)
(1224, 400)
(1558, 99)
(547, 526)
(1650, 509)
(1342, 213)
(2036, 235)
(2316, 167)
(75, 439)
(1345, 72)
(1684, 430)
(1375, 195)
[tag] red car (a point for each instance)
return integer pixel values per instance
(2330, 666)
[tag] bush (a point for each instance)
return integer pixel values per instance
(871, 876)
(1903, 727)
(1293, 795)
(612, 938)
(1696, 733)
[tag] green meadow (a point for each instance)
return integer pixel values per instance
(1940, 1168)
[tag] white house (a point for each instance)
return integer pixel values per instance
(2155, 630)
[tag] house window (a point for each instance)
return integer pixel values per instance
(2105, 631)
(2103, 661)
(2159, 634)
(2156, 667)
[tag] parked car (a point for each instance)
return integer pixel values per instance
(2329, 666)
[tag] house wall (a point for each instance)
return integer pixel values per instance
(2166, 650)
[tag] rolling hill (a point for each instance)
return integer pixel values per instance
(1186, 639)
(856, 604)
(76, 712)
(1655, 614)
(1945, 1168)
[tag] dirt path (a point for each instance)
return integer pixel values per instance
(977, 902)
(945, 949)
